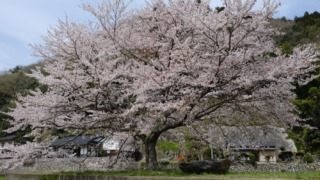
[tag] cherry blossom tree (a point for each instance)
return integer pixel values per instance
(167, 65)
(16, 155)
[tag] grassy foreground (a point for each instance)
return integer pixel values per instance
(173, 173)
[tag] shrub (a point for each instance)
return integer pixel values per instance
(252, 159)
(216, 153)
(299, 154)
(164, 162)
(285, 156)
(308, 158)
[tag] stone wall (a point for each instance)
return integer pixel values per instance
(277, 167)
(103, 164)
(76, 164)
(297, 166)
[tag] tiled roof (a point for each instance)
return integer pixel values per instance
(8, 138)
(77, 140)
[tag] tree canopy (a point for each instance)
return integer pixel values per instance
(169, 64)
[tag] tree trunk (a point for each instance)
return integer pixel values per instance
(150, 150)
(151, 140)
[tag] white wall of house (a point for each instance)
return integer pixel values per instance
(2, 147)
(116, 144)
(111, 144)
(83, 150)
(264, 155)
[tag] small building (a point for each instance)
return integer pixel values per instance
(96, 146)
(5, 141)
(80, 145)
(263, 154)
(264, 142)
(268, 154)
(113, 146)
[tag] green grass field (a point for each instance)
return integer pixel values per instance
(178, 173)
(282, 175)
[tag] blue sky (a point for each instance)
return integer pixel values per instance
(23, 22)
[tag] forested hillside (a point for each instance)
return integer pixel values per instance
(12, 83)
(306, 29)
